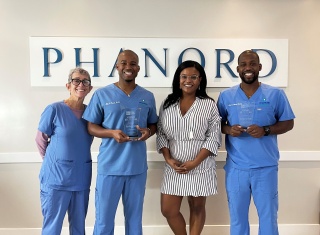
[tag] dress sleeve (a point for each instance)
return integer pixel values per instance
(161, 140)
(213, 134)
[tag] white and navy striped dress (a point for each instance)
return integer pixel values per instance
(185, 136)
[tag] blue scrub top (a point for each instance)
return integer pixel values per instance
(107, 108)
(267, 106)
(67, 164)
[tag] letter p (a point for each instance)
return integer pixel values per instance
(46, 59)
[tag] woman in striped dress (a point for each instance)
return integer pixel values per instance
(188, 136)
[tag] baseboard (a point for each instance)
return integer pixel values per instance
(284, 229)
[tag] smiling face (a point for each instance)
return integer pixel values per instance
(249, 67)
(78, 91)
(128, 65)
(189, 80)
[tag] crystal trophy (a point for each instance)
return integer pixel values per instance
(131, 120)
(246, 112)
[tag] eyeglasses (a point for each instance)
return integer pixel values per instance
(76, 82)
(193, 77)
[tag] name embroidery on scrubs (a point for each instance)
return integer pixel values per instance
(116, 102)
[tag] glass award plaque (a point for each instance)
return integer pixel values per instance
(246, 112)
(131, 120)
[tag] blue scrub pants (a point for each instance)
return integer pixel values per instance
(109, 189)
(56, 203)
(262, 184)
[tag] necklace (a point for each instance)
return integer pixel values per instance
(118, 85)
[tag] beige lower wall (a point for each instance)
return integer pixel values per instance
(299, 186)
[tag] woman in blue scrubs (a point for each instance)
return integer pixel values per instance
(64, 144)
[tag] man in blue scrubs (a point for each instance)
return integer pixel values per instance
(253, 114)
(124, 115)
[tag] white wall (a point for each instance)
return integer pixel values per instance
(21, 104)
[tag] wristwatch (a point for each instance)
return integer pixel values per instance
(266, 130)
